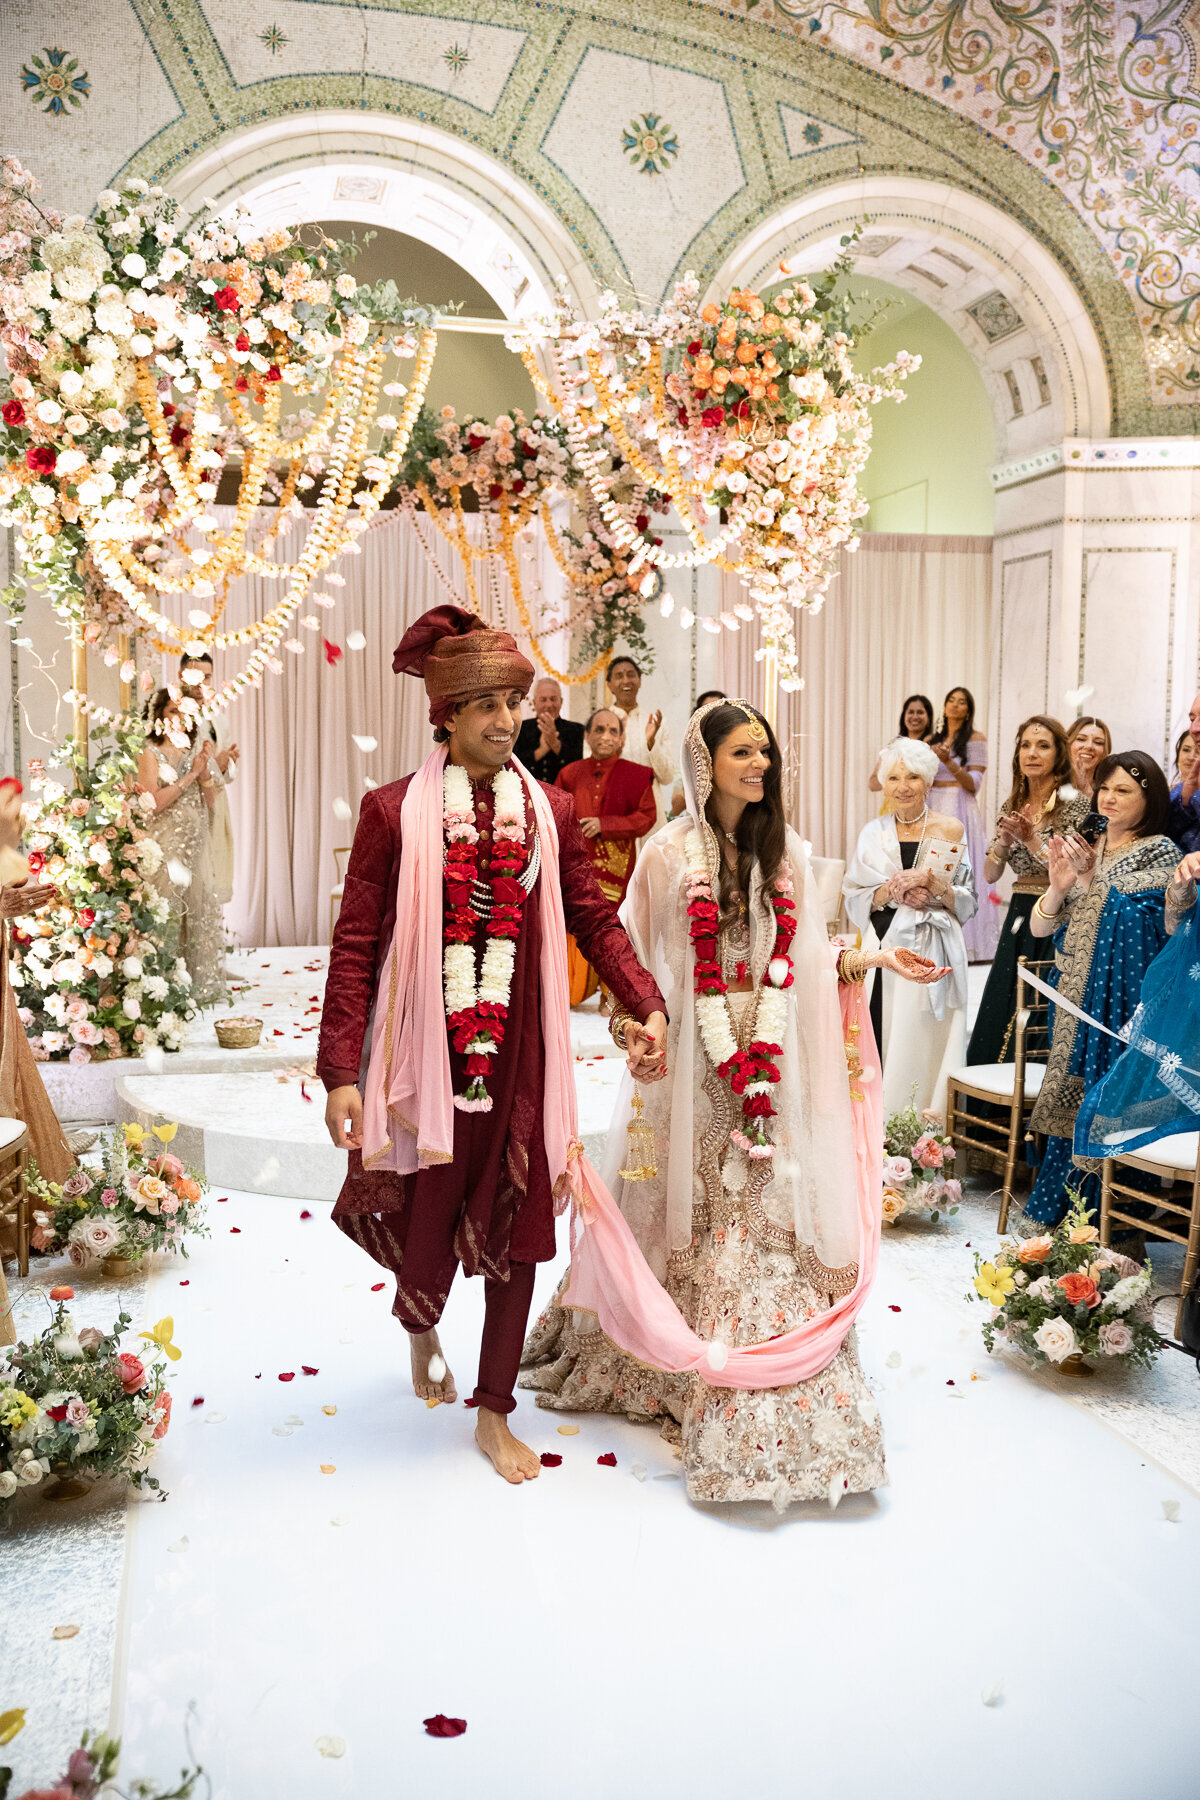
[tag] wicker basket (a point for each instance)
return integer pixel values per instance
(237, 1034)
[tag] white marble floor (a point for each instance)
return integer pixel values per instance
(345, 1574)
(335, 1562)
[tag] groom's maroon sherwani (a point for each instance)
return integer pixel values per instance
(491, 1208)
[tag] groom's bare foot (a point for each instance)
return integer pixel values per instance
(507, 1454)
(424, 1347)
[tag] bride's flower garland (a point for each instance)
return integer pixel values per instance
(753, 1072)
(477, 1007)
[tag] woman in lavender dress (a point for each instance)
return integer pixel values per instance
(958, 790)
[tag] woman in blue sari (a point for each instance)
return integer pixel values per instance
(1115, 931)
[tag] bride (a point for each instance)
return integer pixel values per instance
(762, 1211)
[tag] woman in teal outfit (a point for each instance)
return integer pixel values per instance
(1115, 931)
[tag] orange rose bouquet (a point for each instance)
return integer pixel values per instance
(139, 1200)
(1063, 1295)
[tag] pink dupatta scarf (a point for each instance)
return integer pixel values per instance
(408, 1085)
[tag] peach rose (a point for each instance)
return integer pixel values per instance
(1035, 1250)
(1080, 1290)
(1083, 1234)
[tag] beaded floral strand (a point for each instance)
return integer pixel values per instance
(753, 1072)
(477, 1007)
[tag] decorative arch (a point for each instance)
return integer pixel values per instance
(409, 177)
(1004, 295)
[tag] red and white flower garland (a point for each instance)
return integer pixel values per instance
(753, 1072)
(477, 1005)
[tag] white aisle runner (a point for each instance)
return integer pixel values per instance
(600, 1635)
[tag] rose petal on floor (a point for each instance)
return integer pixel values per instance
(329, 1411)
(549, 1460)
(568, 1431)
(65, 1631)
(442, 1727)
(331, 1746)
(328, 1468)
(607, 1461)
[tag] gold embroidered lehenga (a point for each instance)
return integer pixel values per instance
(746, 1249)
(187, 878)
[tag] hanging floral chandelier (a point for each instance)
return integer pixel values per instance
(142, 367)
(749, 408)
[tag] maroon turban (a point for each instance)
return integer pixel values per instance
(458, 656)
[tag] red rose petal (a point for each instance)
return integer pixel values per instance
(608, 1460)
(949, 1384)
(442, 1727)
(221, 1199)
(289, 1376)
(306, 1214)
(235, 1230)
(199, 1400)
(377, 1287)
(309, 1370)
(185, 1284)
(893, 1309)
(548, 1460)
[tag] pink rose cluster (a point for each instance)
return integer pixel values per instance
(929, 1153)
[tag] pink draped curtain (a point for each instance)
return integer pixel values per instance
(907, 614)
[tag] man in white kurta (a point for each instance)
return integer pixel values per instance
(646, 739)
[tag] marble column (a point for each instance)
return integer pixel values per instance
(1097, 587)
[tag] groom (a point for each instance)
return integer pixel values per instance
(488, 1200)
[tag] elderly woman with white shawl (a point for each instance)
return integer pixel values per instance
(911, 887)
(760, 1214)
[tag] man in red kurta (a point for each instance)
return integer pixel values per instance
(615, 803)
(490, 1207)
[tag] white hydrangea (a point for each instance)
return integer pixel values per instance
(76, 282)
(38, 287)
(155, 987)
(71, 318)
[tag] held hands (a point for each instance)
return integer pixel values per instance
(652, 729)
(646, 1046)
(908, 965)
(344, 1117)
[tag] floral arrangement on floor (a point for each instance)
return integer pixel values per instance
(141, 1199)
(916, 1154)
(91, 1770)
(73, 1403)
(96, 973)
(1061, 1295)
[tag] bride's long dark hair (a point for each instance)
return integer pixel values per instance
(762, 829)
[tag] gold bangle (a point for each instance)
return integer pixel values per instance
(618, 1019)
(853, 966)
(1041, 912)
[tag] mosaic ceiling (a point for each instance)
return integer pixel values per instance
(662, 135)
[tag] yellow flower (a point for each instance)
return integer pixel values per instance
(161, 1336)
(993, 1284)
(134, 1134)
(10, 1723)
(164, 1133)
(17, 1408)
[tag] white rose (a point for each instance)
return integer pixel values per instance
(49, 412)
(30, 1472)
(89, 493)
(99, 1236)
(101, 966)
(70, 461)
(70, 383)
(132, 967)
(8, 1484)
(134, 265)
(130, 1007)
(1056, 1340)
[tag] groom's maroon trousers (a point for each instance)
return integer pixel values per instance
(491, 1208)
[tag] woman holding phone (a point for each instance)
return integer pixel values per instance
(1041, 804)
